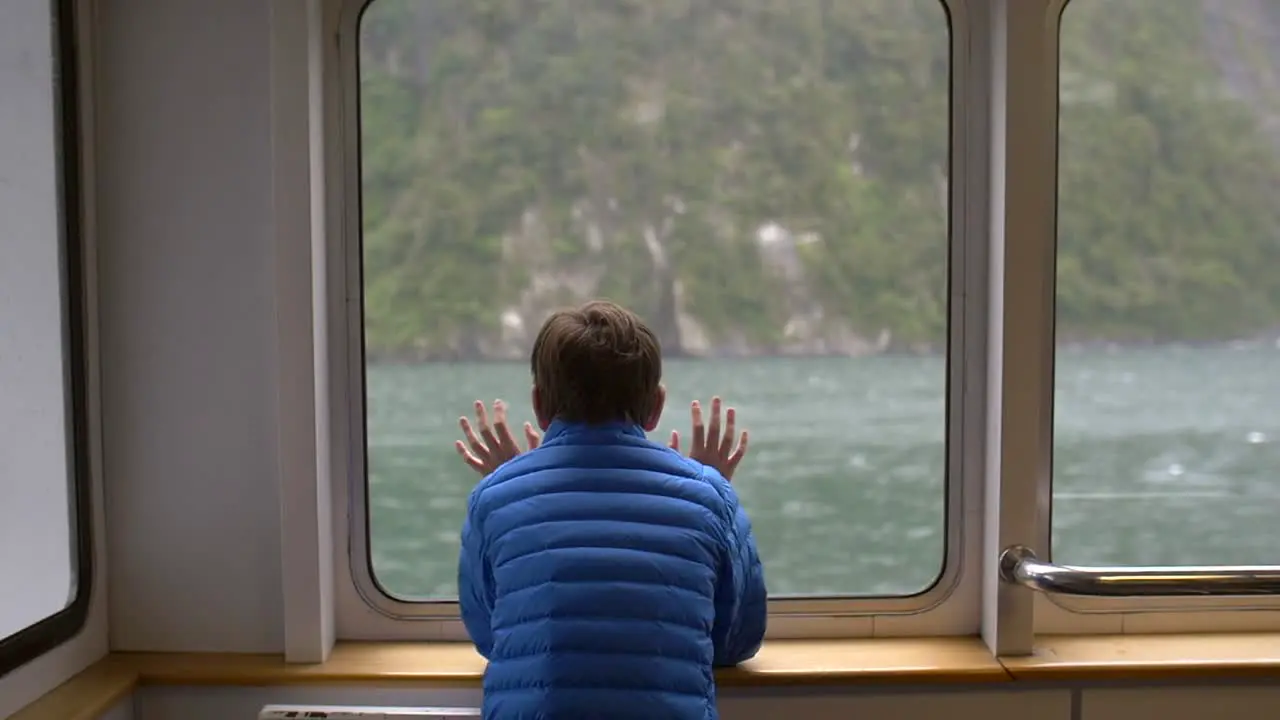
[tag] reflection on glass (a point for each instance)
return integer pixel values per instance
(764, 180)
(1167, 420)
(37, 564)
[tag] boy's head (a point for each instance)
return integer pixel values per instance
(597, 363)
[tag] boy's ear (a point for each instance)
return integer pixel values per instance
(543, 421)
(652, 423)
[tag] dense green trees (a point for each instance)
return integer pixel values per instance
(770, 175)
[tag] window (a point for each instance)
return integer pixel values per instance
(850, 217)
(767, 183)
(44, 535)
(1167, 398)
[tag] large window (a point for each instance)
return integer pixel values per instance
(765, 181)
(44, 539)
(1167, 411)
(844, 218)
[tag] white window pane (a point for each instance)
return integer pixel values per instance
(36, 549)
(1167, 409)
(765, 181)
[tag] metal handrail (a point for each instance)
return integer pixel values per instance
(1019, 565)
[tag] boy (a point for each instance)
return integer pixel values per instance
(603, 575)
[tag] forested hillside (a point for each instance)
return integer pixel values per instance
(770, 176)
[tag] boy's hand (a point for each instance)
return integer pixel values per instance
(710, 447)
(499, 445)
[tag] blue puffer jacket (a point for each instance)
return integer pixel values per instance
(603, 575)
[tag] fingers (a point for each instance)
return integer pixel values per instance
(674, 444)
(713, 428)
(476, 463)
(495, 443)
(731, 464)
(479, 451)
(531, 436)
(506, 441)
(699, 430)
(726, 441)
(486, 432)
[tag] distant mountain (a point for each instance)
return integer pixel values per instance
(770, 176)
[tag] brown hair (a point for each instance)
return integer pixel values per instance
(596, 363)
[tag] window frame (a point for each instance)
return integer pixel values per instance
(949, 607)
(35, 640)
(1060, 614)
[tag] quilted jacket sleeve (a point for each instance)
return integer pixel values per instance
(741, 607)
(475, 582)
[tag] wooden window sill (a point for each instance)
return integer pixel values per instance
(1157, 658)
(879, 662)
(783, 662)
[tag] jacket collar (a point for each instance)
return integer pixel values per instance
(559, 428)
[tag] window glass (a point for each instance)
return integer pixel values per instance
(37, 503)
(765, 181)
(1167, 407)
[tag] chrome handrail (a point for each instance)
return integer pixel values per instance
(1019, 565)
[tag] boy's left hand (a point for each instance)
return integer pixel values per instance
(499, 445)
(710, 447)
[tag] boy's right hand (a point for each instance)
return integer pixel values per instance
(710, 447)
(499, 445)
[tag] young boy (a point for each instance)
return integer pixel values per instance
(603, 575)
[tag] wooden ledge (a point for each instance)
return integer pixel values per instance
(86, 696)
(781, 662)
(918, 661)
(1156, 658)
(878, 661)
(912, 661)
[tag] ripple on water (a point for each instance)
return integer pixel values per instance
(1161, 471)
(920, 532)
(391, 564)
(411, 462)
(387, 501)
(380, 441)
(803, 509)
(444, 502)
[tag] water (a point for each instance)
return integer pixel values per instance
(1162, 456)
